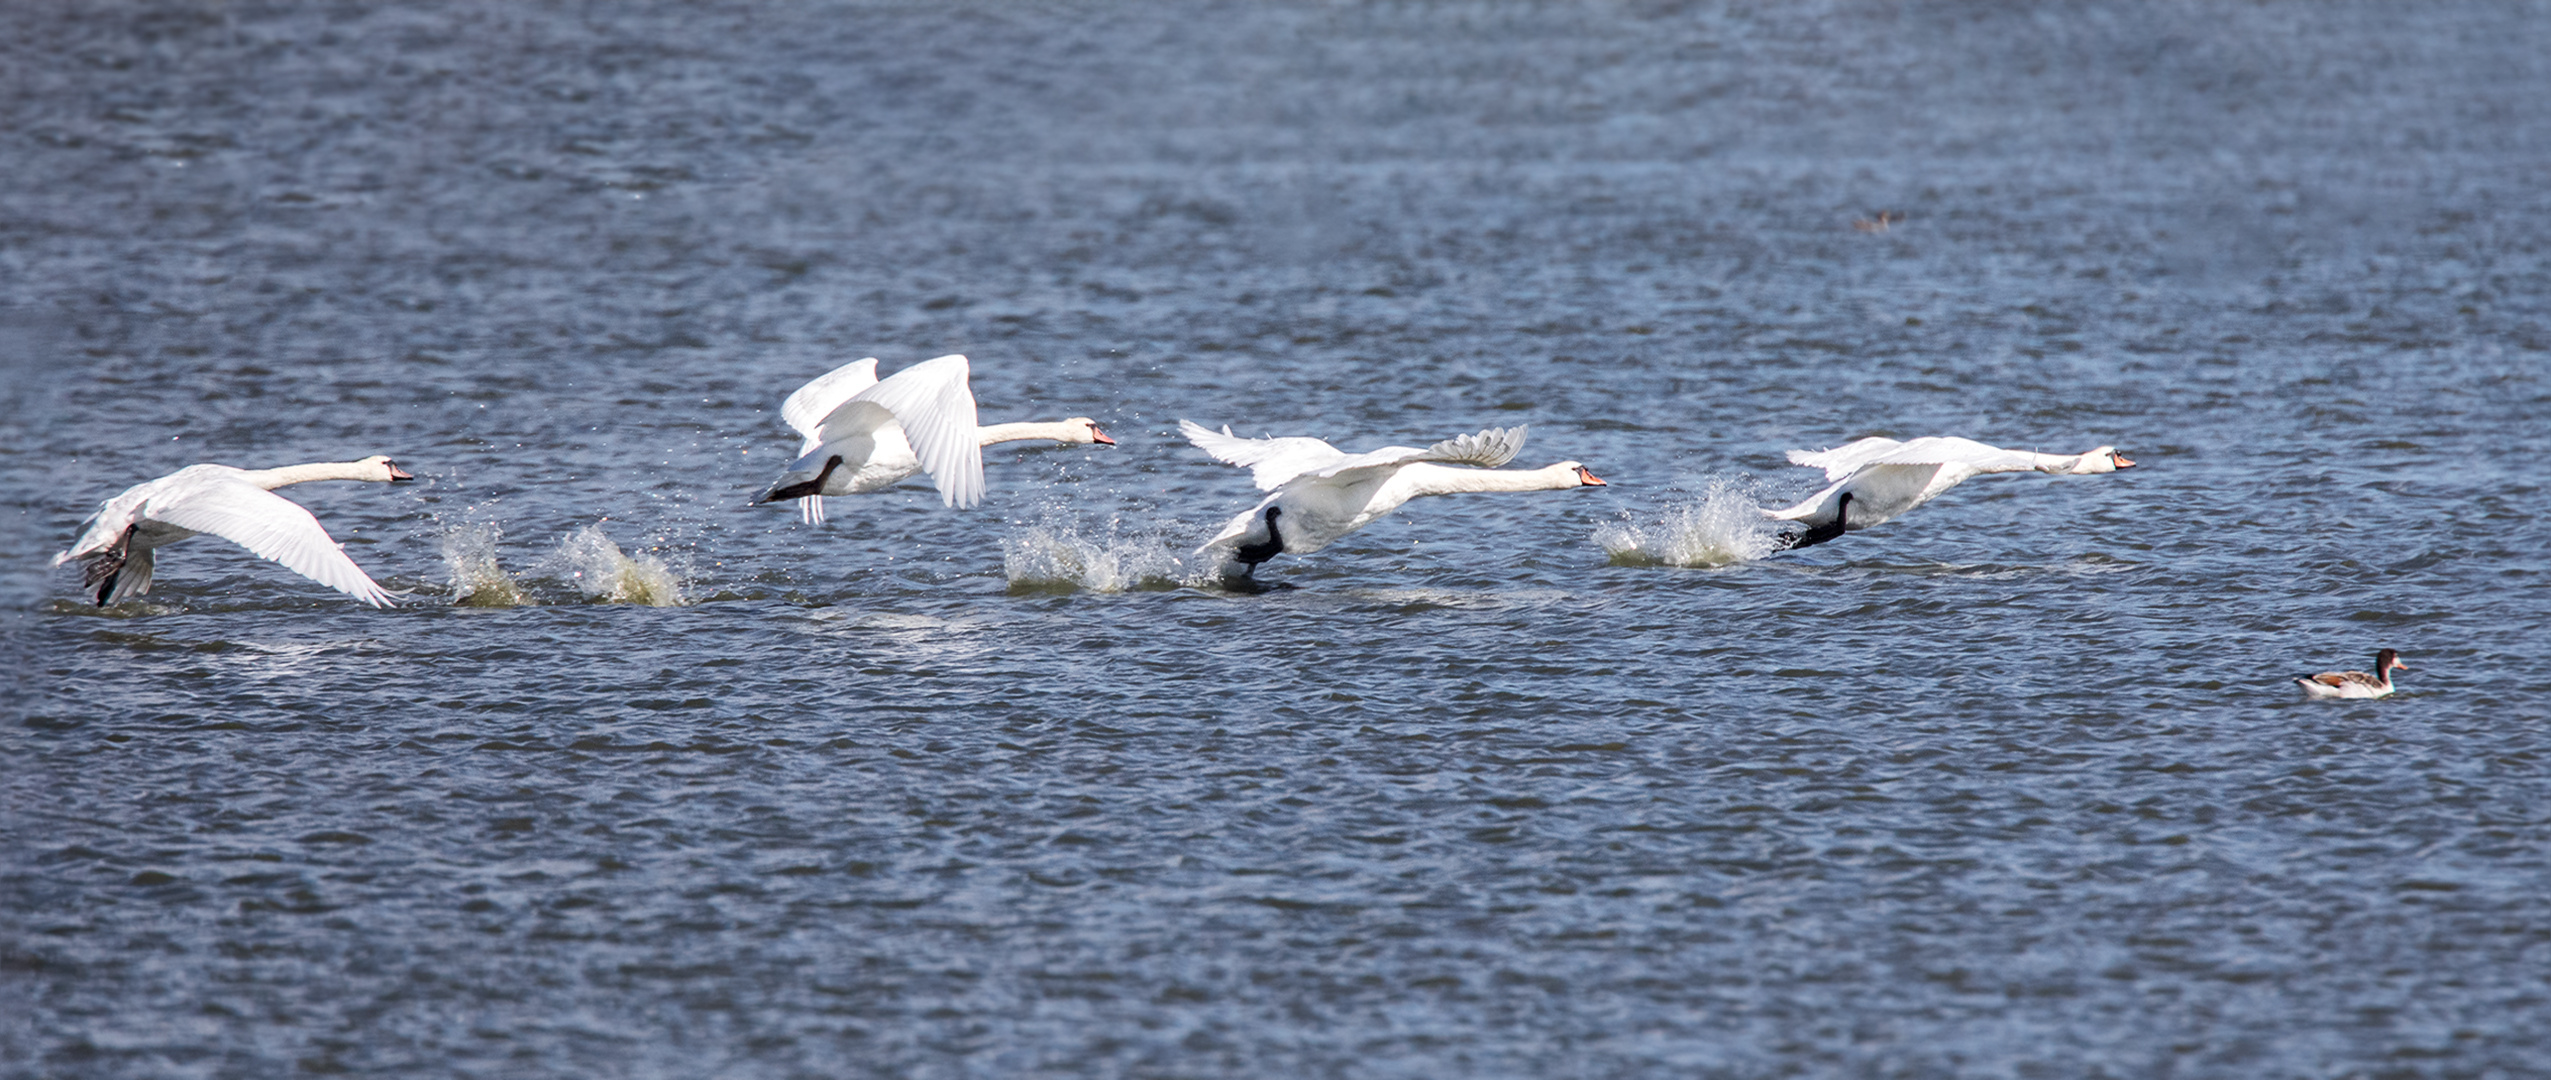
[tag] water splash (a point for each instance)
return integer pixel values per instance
(1723, 527)
(605, 574)
(469, 554)
(1052, 553)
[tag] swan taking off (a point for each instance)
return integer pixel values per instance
(2354, 684)
(1878, 480)
(865, 435)
(1320, 493)
(238, 505)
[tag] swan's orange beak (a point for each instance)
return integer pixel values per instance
(397, 474)
(2120, 459)
(1588, 478)
(1100, 437)
(2398, 665)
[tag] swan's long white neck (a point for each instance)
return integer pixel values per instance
(2089, 461)
(271, 479)
(1429, 479)
(1056, 431)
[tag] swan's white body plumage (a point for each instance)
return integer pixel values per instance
(238, 505)
(1323, 493)
(1888, 478)
(921, 419)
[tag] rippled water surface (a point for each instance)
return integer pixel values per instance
(641, 780)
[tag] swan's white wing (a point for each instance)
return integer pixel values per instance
(1488, 449)
(808, 406)
(936, 408)
(1839, 461)
(1270, 462)
(1967, 455)
(275, 528)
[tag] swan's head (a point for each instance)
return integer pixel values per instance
(1086, 430)
(1585, 476)
(2388, 661)
(2106, 459)
(380, 468)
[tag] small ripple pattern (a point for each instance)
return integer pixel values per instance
(640, 779)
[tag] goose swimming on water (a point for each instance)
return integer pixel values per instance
(864, 434)
(2354, 684)
(1883, 479)
(1319, 493)
(238, 505)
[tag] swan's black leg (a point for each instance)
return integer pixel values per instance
(1818, 534)
(108, 565)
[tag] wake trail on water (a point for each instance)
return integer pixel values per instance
(1054, 551)
(588, 559)
(1720, 528)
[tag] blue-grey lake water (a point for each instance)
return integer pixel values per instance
(641, 780)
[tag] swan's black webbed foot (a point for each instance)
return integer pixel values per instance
(1818, 534)
(802, 488)
(105, 567)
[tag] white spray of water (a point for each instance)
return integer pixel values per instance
(469, 553)
(1052, 552)
(1723, 527)
(598, 568)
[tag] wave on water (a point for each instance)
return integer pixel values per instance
(1720, 528)
(469, 553)
(605, 574)
(1052, 553)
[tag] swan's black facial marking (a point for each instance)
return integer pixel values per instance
(802, 488)
(1250, 555)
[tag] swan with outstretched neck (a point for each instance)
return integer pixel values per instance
(1319, 493)
(238, 505)
(864, 434)
(1883, 479)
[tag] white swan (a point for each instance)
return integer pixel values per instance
(1320, 493)
(2354, 684)
(866, 435)
(1876, 480)
(238, 505)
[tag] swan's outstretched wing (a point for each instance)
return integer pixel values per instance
(808, 406)
(274, 527)
(1967, 455)
(936, 408)
(1270, 462)
(1488, 449)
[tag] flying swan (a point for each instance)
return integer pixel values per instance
(238, 505)
(2354, 684)
(1320, 493)
(865, 435)
(1877, 480)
